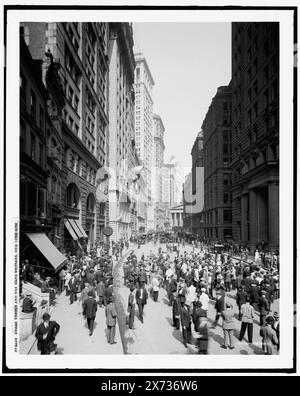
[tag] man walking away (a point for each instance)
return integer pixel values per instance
(89, 311)
(141, 300)
(131, 308)
(269, 337)
(111, 320)
(247, 312)
(185, 317)
(155, 288)
(241, 297)
(228, 326)
(176, 311)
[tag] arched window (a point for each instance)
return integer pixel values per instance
(73, 195)
(90, 204)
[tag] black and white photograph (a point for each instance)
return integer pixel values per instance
(149, 188)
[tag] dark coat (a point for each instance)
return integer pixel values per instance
(144, 298)
(220, 304)
(241, 296)
(185, 316)
(51, 331)
(73, 285)
(254, 293)
(264, 305)
(90, 308)
(176, 308)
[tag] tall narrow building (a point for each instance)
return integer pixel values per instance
(80, 52)
(121, 128)
(143, 127)
(158, 161)
(255, 139)
(217, 213)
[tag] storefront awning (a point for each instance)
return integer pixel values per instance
(77, 228)
(70, 229)
(48, 250)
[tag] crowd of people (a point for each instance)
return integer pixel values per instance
(193, 279)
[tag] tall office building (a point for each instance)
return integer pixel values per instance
(121, 128)
(158, 161)
(79, 51)
(143, 126)
(217, 213)
(255, 139)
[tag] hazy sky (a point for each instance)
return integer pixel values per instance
(188, 61)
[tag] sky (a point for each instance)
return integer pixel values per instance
(188, 62)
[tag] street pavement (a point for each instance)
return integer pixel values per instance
(157, 336)
(73, 337)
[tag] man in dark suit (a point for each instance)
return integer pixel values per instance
(73, 288)
(141, 297)
(264, 307)
(220, 307)
(176, 311)
(185, 317)
(241, 297)
(131, 308)
(89, 311)
(45, 334)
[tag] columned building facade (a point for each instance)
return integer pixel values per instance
(121, 128)
(217, 213)
(255, 138)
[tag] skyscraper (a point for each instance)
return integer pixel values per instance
(79, 51)
(121, 128)
(217, 213)
(255, 139)
(143, 126)
(158, 161)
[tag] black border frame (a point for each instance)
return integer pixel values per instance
(7, 370)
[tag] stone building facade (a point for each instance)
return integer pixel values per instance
(255, 133)
(80, 49)
(121, 128)
(217, 213)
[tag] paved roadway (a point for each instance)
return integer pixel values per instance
(157, 336)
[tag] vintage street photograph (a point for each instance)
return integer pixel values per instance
(149, 201)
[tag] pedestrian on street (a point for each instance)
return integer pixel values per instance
(269, 337)
(241, 297)
(45, 334)
(176, 311)
(100, 292)
(185, 317)
(131, 308)
(264, 307)
(275, 326)
(111, 320)
(73, 288)
(228, 326)
(141, 300)
(220, 306)
(155, 288)
(247, 312)
(89, 311)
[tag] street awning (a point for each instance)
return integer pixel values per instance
(81, 229)
(77, 228)
(70, 229)
(48, 250)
